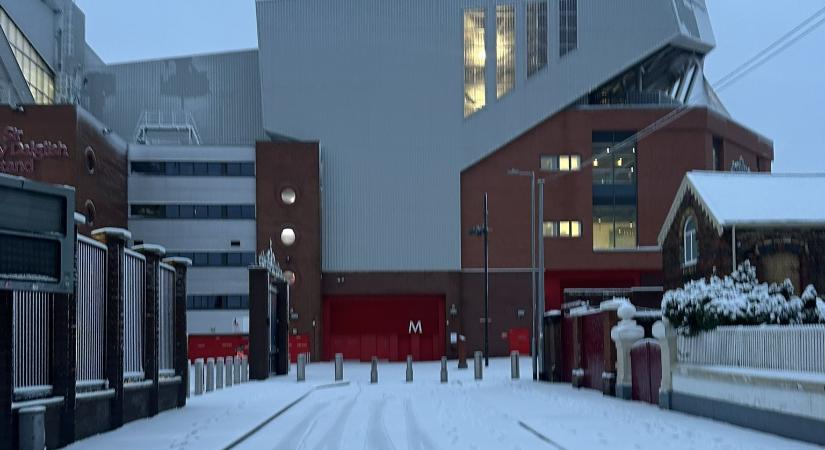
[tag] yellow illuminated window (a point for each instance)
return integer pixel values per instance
(475, 58)
(505, 49)
(37, 74)
(564, 229)
(562, 163)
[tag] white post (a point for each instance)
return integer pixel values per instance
(443, 369)
(219, 368)
(625, 334)
(236, 371)
(409, 369)
(374, 370)
(230, 363)
(339, 366)
(210, 374)
(478, 367)
(514, 368)
(666, 335)
(244, 369)
(199, 376)
(302, 364)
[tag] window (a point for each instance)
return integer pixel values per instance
(691, 245)
(188, 168)
(148, 167)
(536, 37)
(614, 191)
(217, 259)
(563, 229)
(475, 58)
(568, 26)
(214, 212)
(217, 302)
(561, 163)
(38, 76)
(505, 49)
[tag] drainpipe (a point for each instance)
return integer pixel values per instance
(733, 247)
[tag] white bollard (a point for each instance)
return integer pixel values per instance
(244, 369)
(514, 365)
(339, 366)
(219, 373)
(199, 376)
(478, 367)
(302, 367)
(374, 370)
(189, 374)
(230, 364)
(210, 374)
(236, 373)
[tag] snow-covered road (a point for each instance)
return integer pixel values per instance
(495, 413)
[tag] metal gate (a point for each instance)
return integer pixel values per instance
(134, 275)
(91, 311)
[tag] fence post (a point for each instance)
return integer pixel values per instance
(115, 240)
(244, 369)
(230, 368)
(625, 334)
(7, 433)
(64, 361)
(666, 335)
(151, 327)
(181, 346)
(210, 374)
(219, 373)
(609, 319)
(236, 370)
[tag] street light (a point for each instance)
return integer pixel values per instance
(484, 230)
(533, 338)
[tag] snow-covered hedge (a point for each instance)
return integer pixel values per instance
(739, 299)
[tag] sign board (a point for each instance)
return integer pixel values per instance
(37, 236)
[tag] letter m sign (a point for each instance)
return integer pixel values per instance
(415, 327)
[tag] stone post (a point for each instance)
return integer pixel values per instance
(374, 370)
(339, 366)
(181, 348)
(514, 365)
(444, 369)
(115, 240)
(302, 364)
(7, 433)
(666, 335)
(625, 334)
(151, 322)
(409, 369)
(478, 366)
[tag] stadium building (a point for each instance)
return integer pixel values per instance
(360, 139)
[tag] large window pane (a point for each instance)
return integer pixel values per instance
(568, 26)
(536, 37)
(39, 77)
(475, 57)
(615, 195)
(505, 49)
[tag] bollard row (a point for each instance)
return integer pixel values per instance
(477, 362)
(217, 373)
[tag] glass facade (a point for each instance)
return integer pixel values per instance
(505, 49)
(536, 36)
(614, 191)
(37, 74)
(568, 26)
(475, 57)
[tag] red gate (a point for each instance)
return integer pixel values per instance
(646, 368)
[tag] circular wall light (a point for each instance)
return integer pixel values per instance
(288, 236)
(91, 160)
(91, 212)
(290, 277)
(288, 196)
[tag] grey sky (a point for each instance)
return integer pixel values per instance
(783, 100)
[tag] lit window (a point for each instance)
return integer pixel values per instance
(536, 37)
(288, 236)
(561, 163)
(38, 76)
(691, 245)
(568, 26)
(563, 229)
(475, 58)
(505, 49)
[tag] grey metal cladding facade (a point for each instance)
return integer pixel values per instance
(379, 83)
(221, 91)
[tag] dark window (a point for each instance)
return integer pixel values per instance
(153, 211)
(201, 211)
(172, 168)
(248, 211)
(217, 302)
(200, 259)
(233, 169)
(248, 259)
(187, 211)
(201, 169)
(187, 168)
(215, 211)
(216, 259)
(148, 167)
(248, 169)
(233, 211)
(172, 211)
(536, 36)
(215, 169)
(235, 243)
(233, 259)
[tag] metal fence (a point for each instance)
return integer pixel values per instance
(31, 348)
(91, 311)
(777, 347)
(166, 321)
(133, 309)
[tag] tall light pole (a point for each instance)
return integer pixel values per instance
(484, 230)
(540, 301)
(534, 335)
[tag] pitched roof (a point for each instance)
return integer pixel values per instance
(753, 199)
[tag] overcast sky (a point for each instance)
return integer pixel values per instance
(783, 100)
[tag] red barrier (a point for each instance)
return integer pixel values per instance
(217, 345)
(298, 343)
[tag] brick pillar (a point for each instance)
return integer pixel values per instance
(115, 240)
(64, 362)
(578, 347)
(151, 327)
(609, 320)
(181, 347)
(281, 312)
(260, 332)
(7, 434)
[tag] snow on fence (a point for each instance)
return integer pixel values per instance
(166, 318)
(30, 322)
(91, 311)
(133, 309)
(777, 347)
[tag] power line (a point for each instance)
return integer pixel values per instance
(765, 55)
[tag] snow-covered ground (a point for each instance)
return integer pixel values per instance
(496, 413)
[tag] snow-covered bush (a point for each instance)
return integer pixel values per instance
(739, 299)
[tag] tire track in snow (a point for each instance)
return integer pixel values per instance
(416, 438)
(333, 438)
(377, 436)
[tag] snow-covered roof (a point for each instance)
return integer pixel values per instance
(753, 199)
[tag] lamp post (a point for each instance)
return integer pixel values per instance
(540, 297)
(533, 336)
(484, 230)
